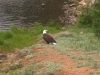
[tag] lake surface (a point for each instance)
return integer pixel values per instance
(26, 12)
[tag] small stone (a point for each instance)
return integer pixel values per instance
(72, 5)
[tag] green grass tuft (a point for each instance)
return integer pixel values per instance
(95, 73)
(29, 69)
(91, 63)
(51, 67)
(12, 72)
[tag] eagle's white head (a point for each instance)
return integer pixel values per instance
(44, 31)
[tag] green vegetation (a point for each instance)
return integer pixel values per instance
(13, 72)
(22, 37)
(90, 18)
(33, 68)
(95, 73)
(51, 67)
(80, 38)
(91, 63)
(78, 41)
(29, 69)
(85, 43)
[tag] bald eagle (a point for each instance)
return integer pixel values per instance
(48, 38)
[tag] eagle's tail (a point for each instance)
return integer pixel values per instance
(54, 43)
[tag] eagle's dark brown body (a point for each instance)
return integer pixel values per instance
(48, 38)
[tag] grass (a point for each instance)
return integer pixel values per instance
(51, 67)
(75, 41)
(95, 73)
(23, 37)
(78, 41)
(13, 72)
(82, 57)
(29, 69)
(90, 63)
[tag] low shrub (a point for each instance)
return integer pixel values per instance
(30, 69)
(90, 18)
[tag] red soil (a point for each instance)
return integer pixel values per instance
(64, 61)
(67, 63)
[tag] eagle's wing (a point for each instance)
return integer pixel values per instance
(48, 38)
(51, 39)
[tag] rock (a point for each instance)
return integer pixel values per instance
(69, 17)
(3, 57)
(72, 5)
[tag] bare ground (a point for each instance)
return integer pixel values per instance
(67, 64)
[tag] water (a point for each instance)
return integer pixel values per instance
(26, 12)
